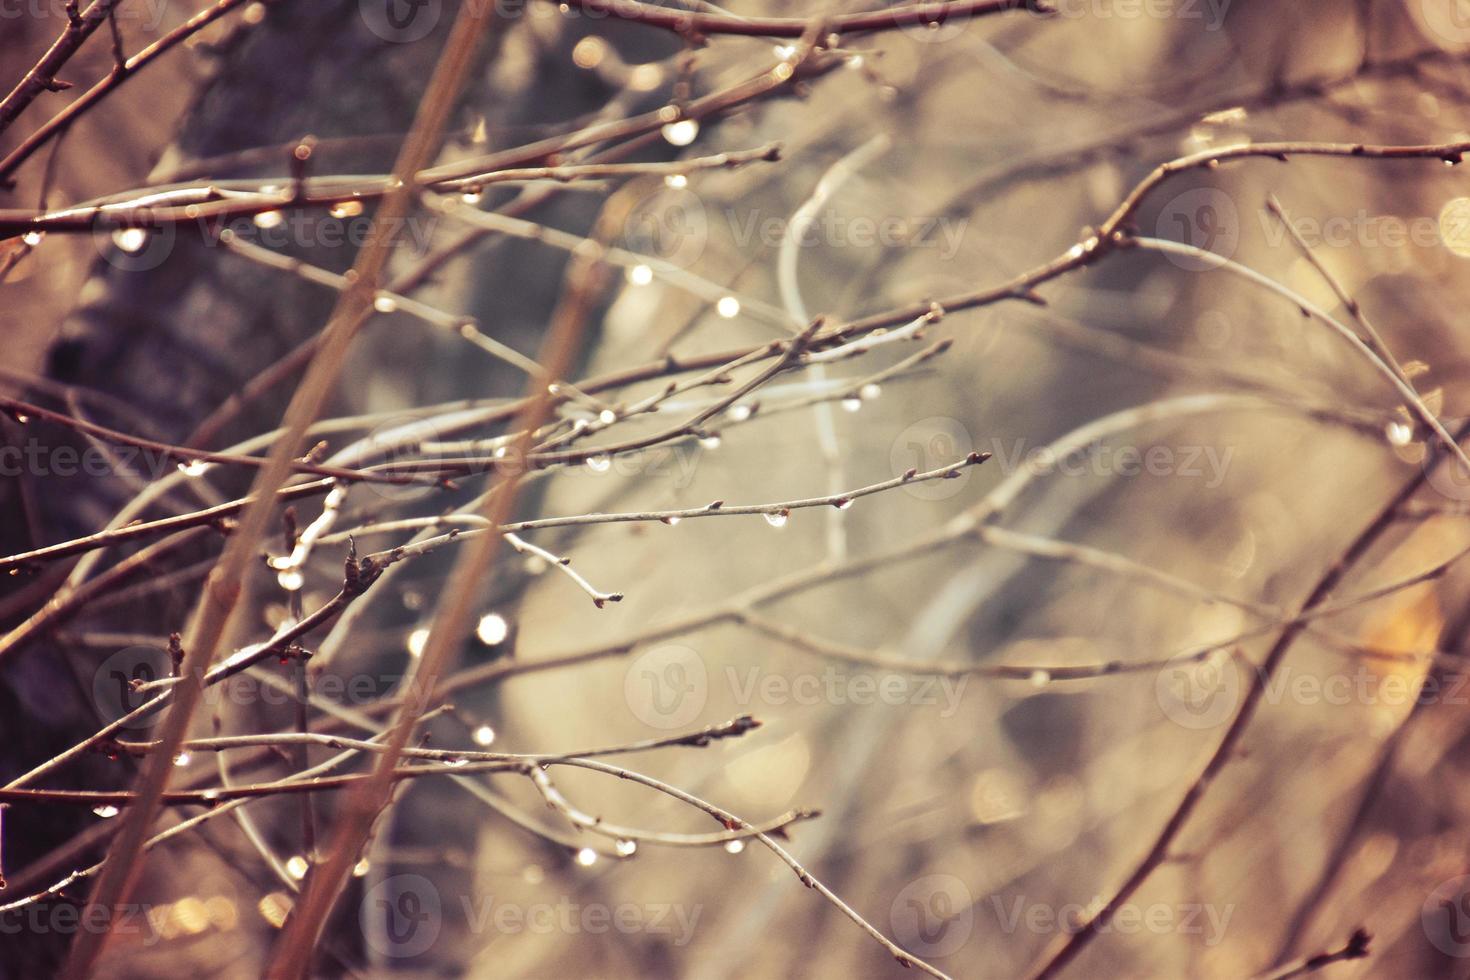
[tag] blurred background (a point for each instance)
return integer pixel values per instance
(1230, 452)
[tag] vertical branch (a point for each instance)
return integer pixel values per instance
(222, 589)
(450, 625)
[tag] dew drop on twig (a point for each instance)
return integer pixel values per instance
(599, 463)
(777, 519)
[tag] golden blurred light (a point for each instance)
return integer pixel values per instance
(130, 240)
(191, 915)
(297, 867)
(681, 133)
(589, 52)
(997, 795)
(222, 913)
(275, 907)
(1454, 226)
(492, 629)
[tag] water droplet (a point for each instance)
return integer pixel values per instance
(640, 275)
(297, 867)
(739, 413)
(599, 464)
(681, 133)
(290, 579)
(844, 504)
(492, 629)
(346, 209)
(361, 868)
(195, 467)
(105, 810)
(869, 391)
(710, 442)
(728, 307)
(484, 735)
(852, 404)
(735, 846)
(130, 240)
(470, 197)
(586, 857)
(671, 520)
(607, 416)
(385, 303)
(626, 848)
(22, 418)
(32, 238)
(456, 763)
(1040, 678)
(676, 181)
(417, 640)
(1399, 433)
(269, 219)
(778, 519)
(182, 759)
